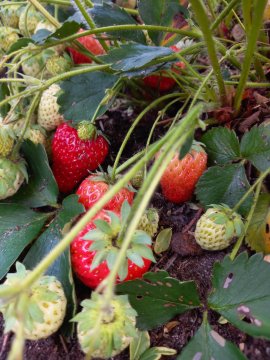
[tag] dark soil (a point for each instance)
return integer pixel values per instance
(184, 261)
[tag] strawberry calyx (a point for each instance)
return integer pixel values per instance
(106, 242)
(223, 215)
(105, 329)
(86, 130)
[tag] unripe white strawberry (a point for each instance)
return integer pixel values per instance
(48, 111)
(12, 175)
(10, 15)
(35, 66)
(45, 306)
(137, 179)
(149, 222)
(7, 137)
(28, 21)
(58, 64)
(36, 136)
(216, 229)
(8, 36)
(104, 330)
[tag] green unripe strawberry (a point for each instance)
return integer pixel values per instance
(104, 330)
(35, 66)
(216, 229)
(10, 15)
(58, 64)
(149, 222)
(28, 21)
(137, 179)
(6, 139)
(8, 36)
(48, 112)
(44, 306)
(12, 175)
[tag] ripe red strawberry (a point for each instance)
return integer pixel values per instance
(73, 157)
(163, 82)
(91, 44)
(93, 188)
(92, 259)
(179, 179)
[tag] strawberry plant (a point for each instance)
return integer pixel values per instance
(134, 179)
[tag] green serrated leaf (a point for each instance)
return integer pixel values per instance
(19, 225)
(83, 94)
(255, 147)
(222, 145)
(134, 56)
(207, 344)
(163, 241)
(42, 189)
(108, 14)
(241, 293)
(159, 12)
(257, 236)
(224, 185)
(157, 293)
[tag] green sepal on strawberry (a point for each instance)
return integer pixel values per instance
(95, 186)
(105, 329)
(216, 229)
(44, 305)
(12, 175)
(181, 175)
(74, 157)
(95, 249)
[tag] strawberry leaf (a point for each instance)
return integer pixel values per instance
(255, 147)
(61, 268)
(159, 12)
(134, 56)
(241, 293)
(110, 14)
(222, 145)
(257, 236)
(157, 293)
(19, 226)
(41, 189)
(67, 29)
(224, 185)
(207, 344)
(83, 94)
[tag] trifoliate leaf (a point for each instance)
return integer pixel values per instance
(241, 293)
(226, 185)
(222, 145)
(255, 147)
(158, 293)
